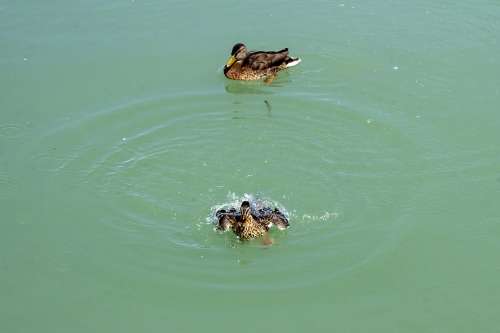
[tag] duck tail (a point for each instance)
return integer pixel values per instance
(290, 62)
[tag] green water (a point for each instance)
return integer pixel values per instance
(119, 134)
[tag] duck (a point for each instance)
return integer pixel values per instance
(247, 225)
(256, 65)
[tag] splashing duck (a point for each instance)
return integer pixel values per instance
(247, 225)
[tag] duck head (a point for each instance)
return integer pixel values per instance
(238, 53)
(245, 211)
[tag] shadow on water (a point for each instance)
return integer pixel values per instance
(257, 88)
(247, 88)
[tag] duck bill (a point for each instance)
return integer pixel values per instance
(230, 61)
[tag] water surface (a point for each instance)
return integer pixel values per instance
(119, 134)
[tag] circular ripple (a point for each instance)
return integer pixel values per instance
(11, 131)
(156, 167)
(6, 183)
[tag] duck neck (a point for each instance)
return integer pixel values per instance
(247, 217)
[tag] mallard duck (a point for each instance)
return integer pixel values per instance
(245, 65)
(247, 225)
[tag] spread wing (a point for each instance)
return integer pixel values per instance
(279, 219)
(227, 220)
(261, 60)
(274, 217)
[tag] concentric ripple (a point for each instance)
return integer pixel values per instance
(156, 168)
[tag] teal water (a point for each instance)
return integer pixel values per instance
(119, 135)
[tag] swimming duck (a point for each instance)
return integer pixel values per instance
(247, 225)
(245, 65)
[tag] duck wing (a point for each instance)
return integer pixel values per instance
(273, 217)
(261, 60)
(266, 224)
(226, 220)
(279, 219)
(264, 213)
(262, 217)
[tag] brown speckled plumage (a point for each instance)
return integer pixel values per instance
(244, 65)
(246, 224)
